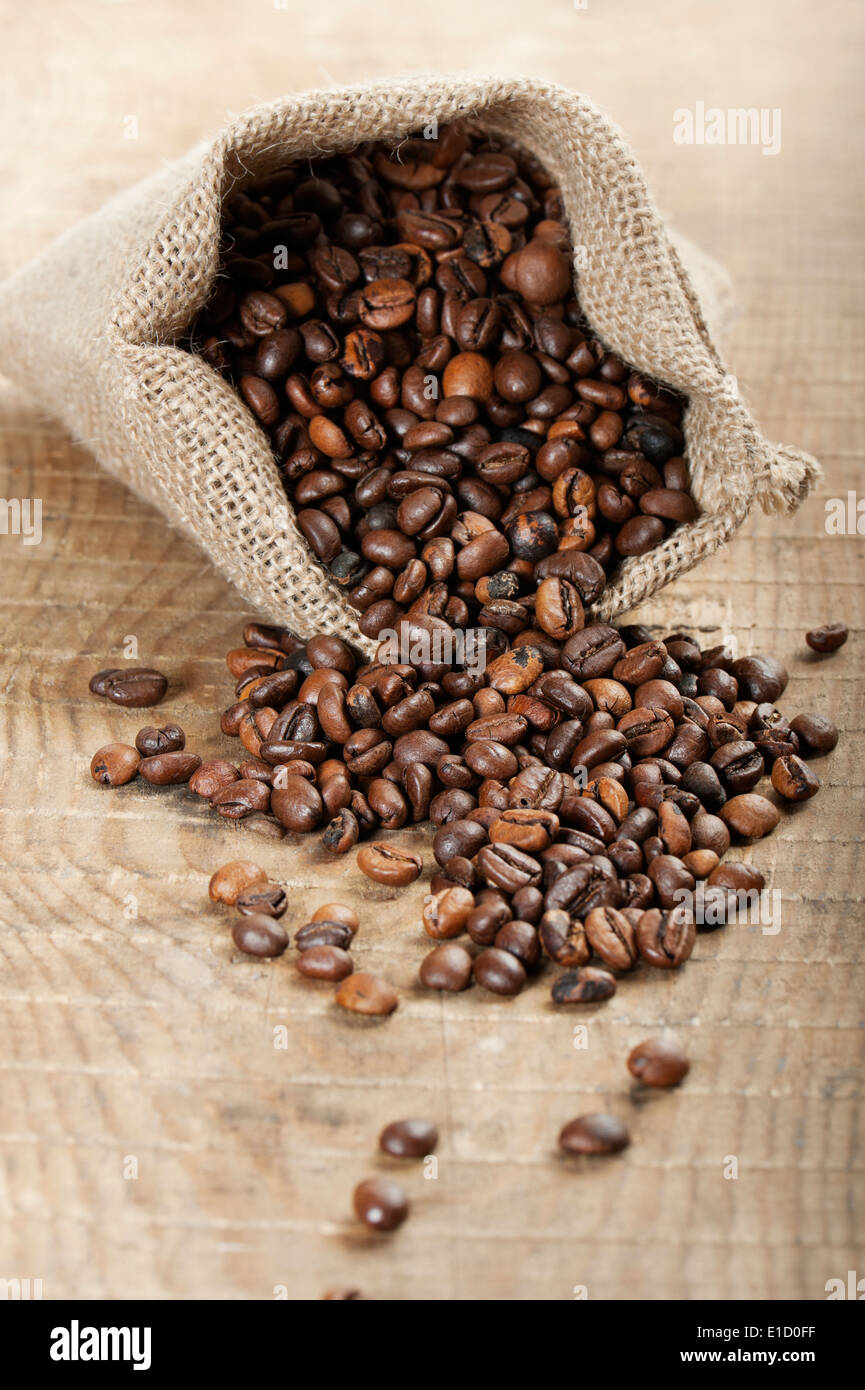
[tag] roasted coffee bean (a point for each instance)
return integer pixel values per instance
(323, 934)
(588, 885)
(658, 1062)
(671, 879)
(269, 900)
(592, 652)
(337, 912)
(760, 678)
(521, 939)
(257, 934)
(828, 638)
(385, 863)
(342, 832)
(484, 921)
(211, 776)
(666, 937)
(168, 769)
(239, 799)
(380, 1203)
(232, 879)
(528, 829)
(563, 938)
(133, 687)
(448, 967)
(793, 779)
(297, 804)
(363, 993)
(324, 963)
(499, 971)
(408, 1139)
(115, 764)
(461, 838)
(98, 684)
(169, 739)
(445, 913)
(594, 1134)
(816, 734)
(508, 868)
(739, 764)
(586, 985)
(612, 937)
(751, 815)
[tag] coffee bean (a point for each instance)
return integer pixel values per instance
(169, 739)
(816, 734)
(521, 940)
(658, 1062)
(386, 863)
(751, 815)
(499, 971)
(612, 937)
(408, 1139)
(445, 913)
(447, 967)
(363, 993)
(505, 867)
(337, 912)
(168, 769)
(793, 779)
(270, 900)
(209, 777)
(666, 937)
(324, 962)
(381, 1203)
(828, 638)
(297, 804)
(586, 985)
(257, 934)
(594, 1134)
(563, 938)
(239, 799)
(99, 683)
(134, 687)
(316, 934)
(231, 879)
(115, 764)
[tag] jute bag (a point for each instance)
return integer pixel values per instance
(89, 329)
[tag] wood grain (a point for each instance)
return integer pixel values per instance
(146, 1035)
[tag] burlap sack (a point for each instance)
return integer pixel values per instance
(89, 326)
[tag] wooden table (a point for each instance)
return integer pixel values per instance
(154, 1141)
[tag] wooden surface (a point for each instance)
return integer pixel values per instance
(145, 1036)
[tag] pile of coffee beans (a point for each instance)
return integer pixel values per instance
(453, 437)
(580, 792)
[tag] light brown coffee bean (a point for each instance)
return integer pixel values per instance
(363, 993)
(231, 879)
(385, 863)
(115, 764)
(750, 815)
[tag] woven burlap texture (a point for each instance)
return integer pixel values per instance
(89, 329)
